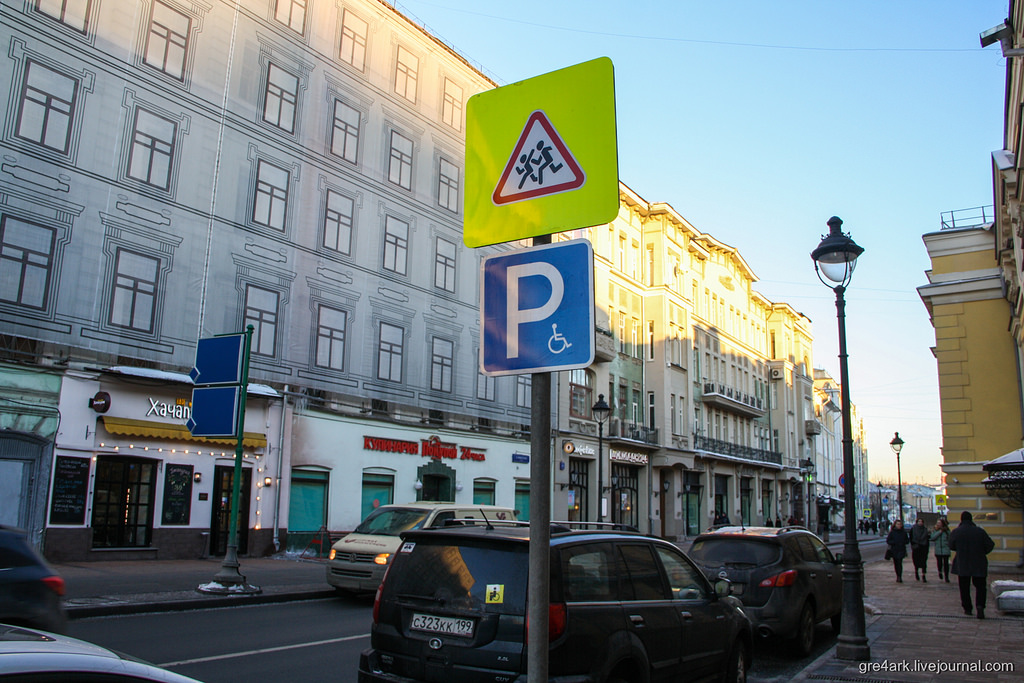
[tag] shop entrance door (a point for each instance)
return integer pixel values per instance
(220, 523)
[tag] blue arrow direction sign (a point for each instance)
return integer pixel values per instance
(538, 309)
(214, 411)
(219, 360)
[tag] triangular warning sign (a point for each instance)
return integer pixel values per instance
(540, 165)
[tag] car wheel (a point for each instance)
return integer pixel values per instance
(803, 641)
(837, 622)
(736, 669)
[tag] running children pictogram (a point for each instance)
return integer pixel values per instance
(540, 164)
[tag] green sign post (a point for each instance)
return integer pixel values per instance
(541, 155)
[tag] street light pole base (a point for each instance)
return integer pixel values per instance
(853, 648)
(228, 581)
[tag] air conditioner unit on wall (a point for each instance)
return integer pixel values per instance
(777, 373)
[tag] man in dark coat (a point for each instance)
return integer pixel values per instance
(971, 544)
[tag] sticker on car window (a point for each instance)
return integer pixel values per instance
(495, 593)
(407, 547)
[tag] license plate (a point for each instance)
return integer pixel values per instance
(450, 626)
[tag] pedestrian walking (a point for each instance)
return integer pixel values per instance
(920, 540)
(897, 542)
(940, 539)
(971, 544)
(778, 521)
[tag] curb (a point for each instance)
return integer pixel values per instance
(186, 603)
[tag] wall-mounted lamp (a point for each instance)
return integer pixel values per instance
(418, 485)
(267, 481)
(458, 487)
(198, 477)
(666, 485)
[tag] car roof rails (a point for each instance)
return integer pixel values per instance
(594, 526)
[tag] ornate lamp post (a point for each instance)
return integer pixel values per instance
(600, 410)
(897, 445)
(834, 261)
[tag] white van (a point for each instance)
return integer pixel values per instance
(358, 561)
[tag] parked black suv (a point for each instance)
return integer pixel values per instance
(30, 590)
(623, 608)
(786, 577)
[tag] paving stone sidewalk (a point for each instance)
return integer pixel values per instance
(918, 632)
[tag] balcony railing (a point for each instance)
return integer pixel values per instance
(634, 432)
(968, 218)
(745, 452)
(733, 399)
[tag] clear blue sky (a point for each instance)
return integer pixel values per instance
(758, 120)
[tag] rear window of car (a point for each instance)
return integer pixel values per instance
(721, 551)
(392, 521)
(483, 577)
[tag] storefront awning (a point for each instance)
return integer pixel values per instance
(173, 432)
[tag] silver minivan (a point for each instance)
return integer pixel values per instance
(358, 561)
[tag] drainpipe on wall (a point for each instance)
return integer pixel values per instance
(280, 462)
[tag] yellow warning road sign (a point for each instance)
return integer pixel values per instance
(541, 155)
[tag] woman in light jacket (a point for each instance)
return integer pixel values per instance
(940, 537)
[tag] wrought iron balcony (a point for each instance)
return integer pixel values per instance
(733, 400)
(634, 432)
(735, 450)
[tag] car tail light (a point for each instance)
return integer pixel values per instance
(376, 603)
(786, 578)
(558, 617)
(54, 583)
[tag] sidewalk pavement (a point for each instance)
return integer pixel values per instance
(916, 631)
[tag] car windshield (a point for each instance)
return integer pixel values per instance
(392, 521)
(481, 577)
(720, 551)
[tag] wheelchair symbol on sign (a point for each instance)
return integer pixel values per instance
(557, 339)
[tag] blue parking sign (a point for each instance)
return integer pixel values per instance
(537, 309)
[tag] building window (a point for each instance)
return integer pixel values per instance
(650, 340)
(152, 152)
(396, 244)
(451, 107)
(271, 201)
(400, 161)
(484, 387)
(47, 107)
(353, 40)
(73, 13)
(581, 393)
(448, 186)
(26, 262)
(122, 513)
(338, 218)
(483, 492)
(331, 327)
(280, 98)
(345, 132)
(444, 265)
(523, 385)
(133, 302)
(167, 40)
(406, 70)
(261, 311)
(442, 357)
(650, 409)
(291, 13)
(390, 350)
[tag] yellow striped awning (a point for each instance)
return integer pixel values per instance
(176, 432)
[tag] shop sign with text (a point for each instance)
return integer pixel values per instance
(432, 448)
(627, 456)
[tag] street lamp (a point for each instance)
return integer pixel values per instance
(897, 445)
(834, 261)
(600, 410)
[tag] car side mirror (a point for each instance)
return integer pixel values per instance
(723, 587)
(838, 559)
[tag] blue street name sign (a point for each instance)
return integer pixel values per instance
(537, 309)
(214, 411)
(219, 360)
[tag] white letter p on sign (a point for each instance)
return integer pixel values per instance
(516, 317)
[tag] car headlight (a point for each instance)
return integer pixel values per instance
(332, 554)
(382, 558)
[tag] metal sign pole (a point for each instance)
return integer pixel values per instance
(538, 587)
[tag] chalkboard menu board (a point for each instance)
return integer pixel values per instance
(70, 486)
(177, 494)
